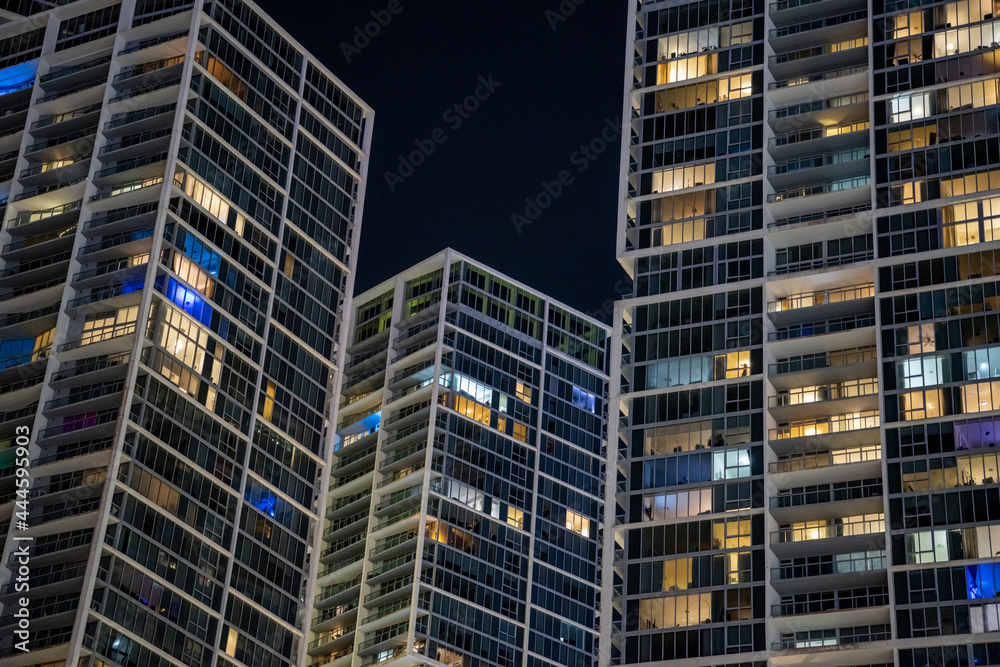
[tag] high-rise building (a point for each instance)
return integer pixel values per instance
(180, 190)
(810, 352)
(464, 519)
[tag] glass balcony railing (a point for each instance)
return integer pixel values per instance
(820, 297)
(818, 328)
(830, 392)
(837, 424)
(812, 460)
(824, 529)
(819, 189)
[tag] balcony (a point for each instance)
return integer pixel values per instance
(820, 640)
(821, 62)
(833, 433)
(143, 120)
(816, 401)
(130, 170)
(850, 323)
(819, 139)
(842, 497)
(830, 536)
(823, 573)
(791, 12)
(50, 173)
(134, 145)
(819, 189)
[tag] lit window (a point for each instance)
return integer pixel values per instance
(584, 400)
(524, 392)
(515, 517)
(520, 432)
(577, 523)
(272, 390)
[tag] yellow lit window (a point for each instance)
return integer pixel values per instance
(920, 404)
(515, 517)
(231, 642)
(520, 432)
(737, 364)
(524, 392)
(272, 390)
(471, 409)
(577, 523)
(194, 275)
(437, 531)
(683, 69)
(709, 92)
(205, 196)
(43, 344)
(675, 611)
(677, 575)
(920, 339)
(679, 178)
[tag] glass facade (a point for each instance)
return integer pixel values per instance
(180, 188)
(808, 355)
(465, 516)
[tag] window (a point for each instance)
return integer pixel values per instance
(524, 392)
(515, 517)
(731, 464)
(584, 400)
(577, 523)
(680, 178)
(906, 107)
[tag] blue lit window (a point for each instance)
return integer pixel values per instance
(18, 77)
(189, 301)
(981, 580)
(201, 255)
(15, 351)
(267, 504)
(584, 400)
(135, 286)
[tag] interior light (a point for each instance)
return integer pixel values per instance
(179, 345)
(951, 47)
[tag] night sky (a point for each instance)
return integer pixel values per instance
(555, 84)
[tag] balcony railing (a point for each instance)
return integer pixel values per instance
(819, 566)
(807, 26)
(814, 161)
(836, 424)
(45, 121)
(818, 133)
(813, 460)
(35, 216)
(820, 76)
(818, 328)
(827, 493)
(826, 601)
(67, 71)
(848, 527)
(819, 189)
(831, 392)
(818, 105)
(820, 297)
(821, 639)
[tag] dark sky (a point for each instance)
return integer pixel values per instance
(558, 89)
